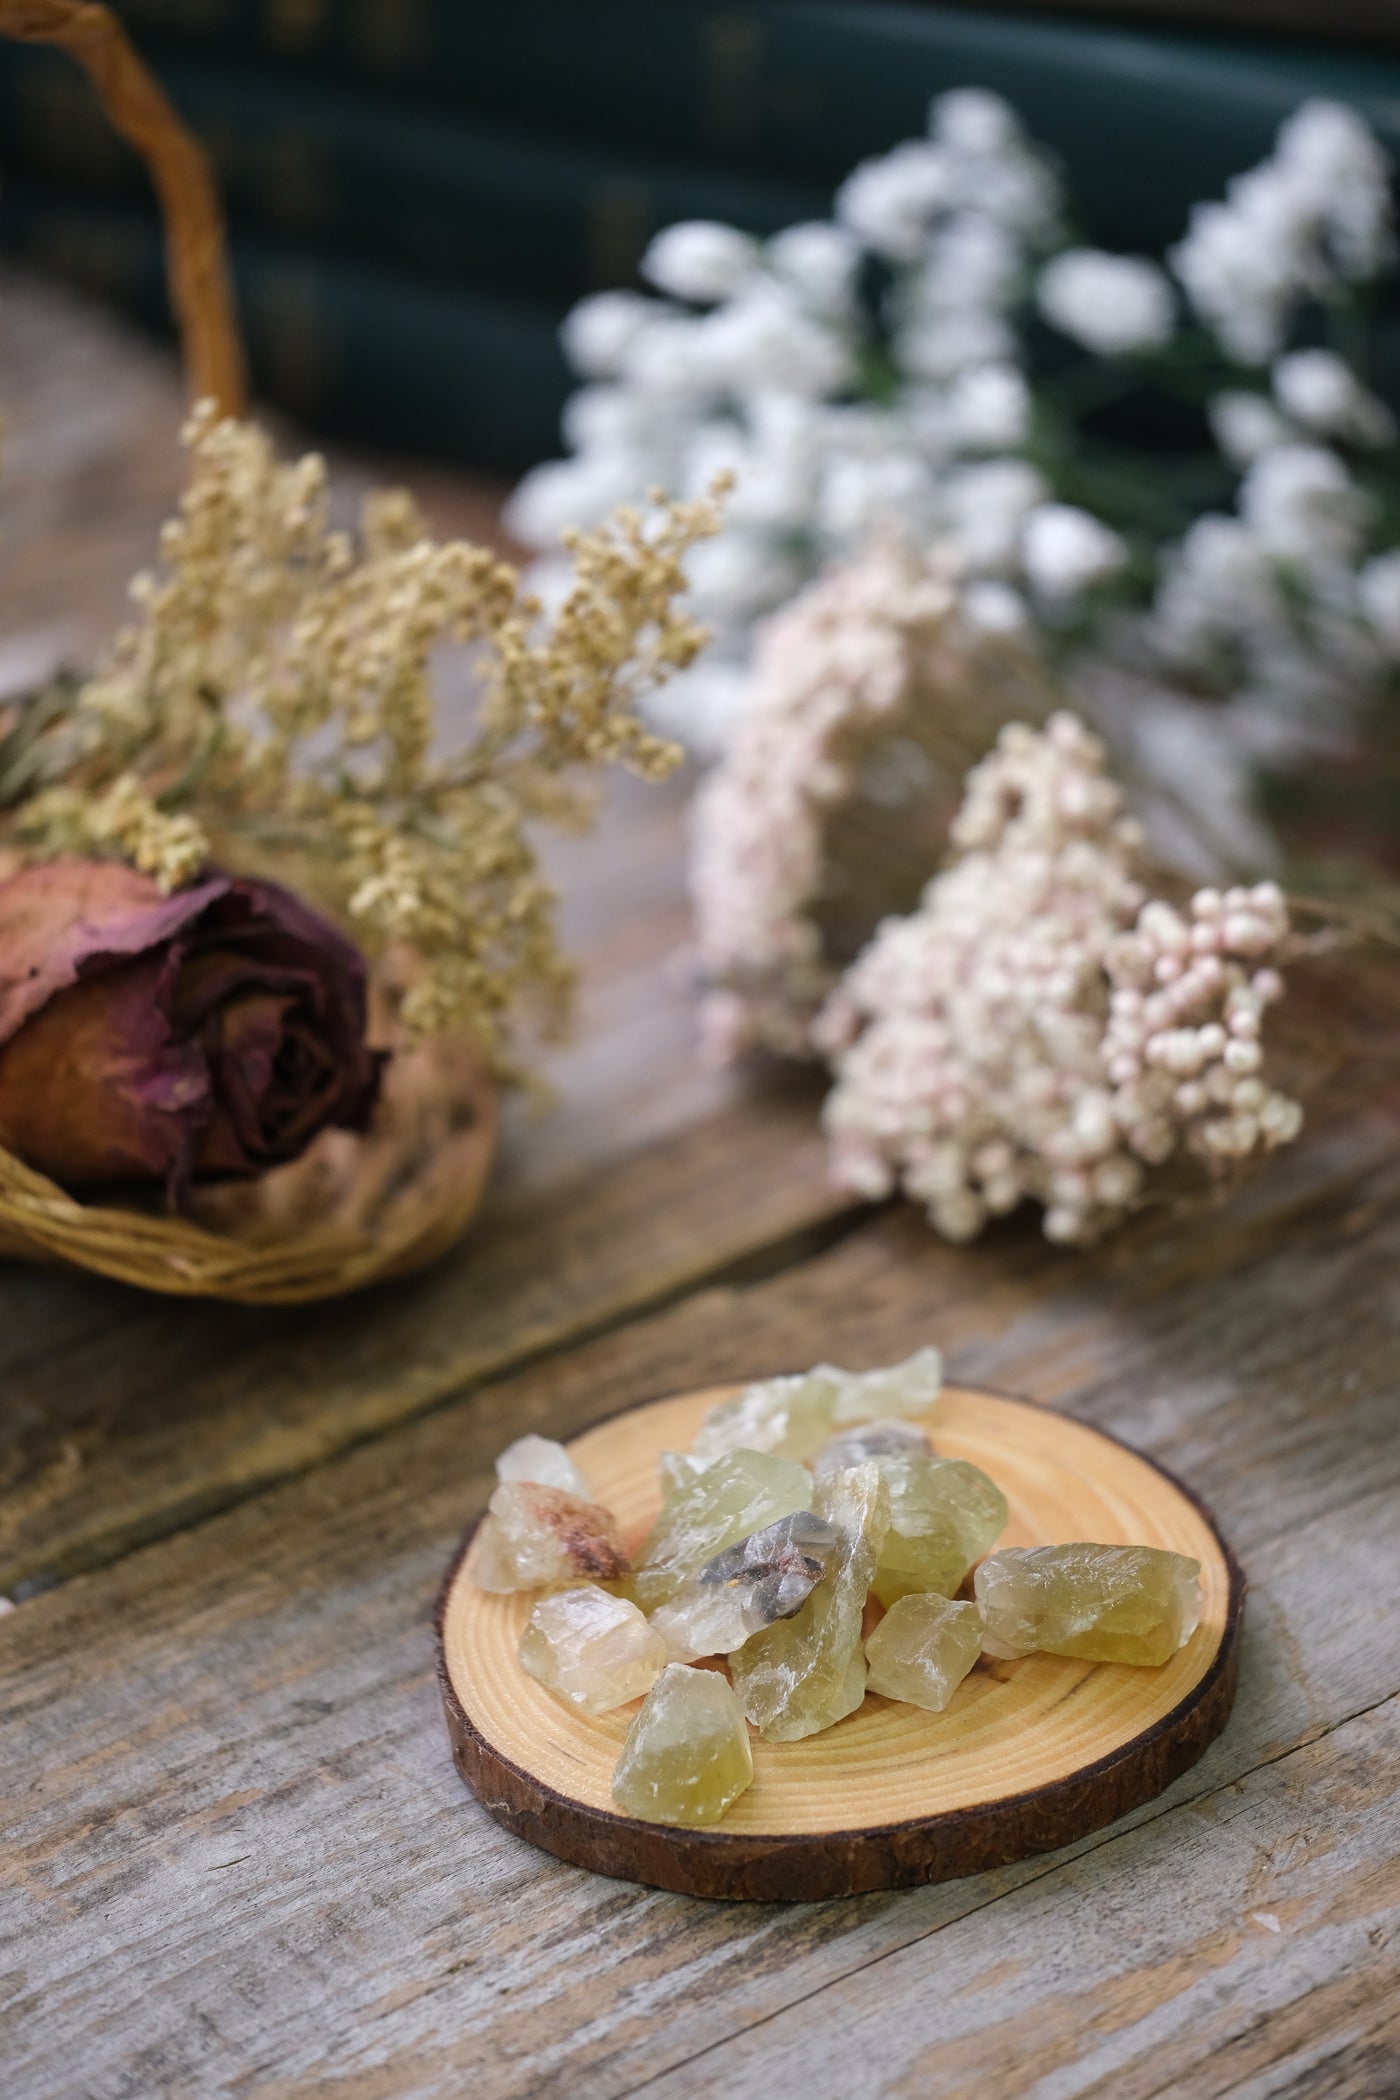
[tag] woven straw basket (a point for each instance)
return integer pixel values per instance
(352, 1211)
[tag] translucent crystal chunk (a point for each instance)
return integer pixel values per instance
(535, 1535)
(766, 1577)
(540, 1459)
(593, 1650)
(922, 1649)
(789, 1416)
(739, 1494)
(906, 1388)
(886, 1438)
(794, 1416)
(944, 1514)
(1128, 1604)
(687, 1755)
(806, 1673)
(676, 1469)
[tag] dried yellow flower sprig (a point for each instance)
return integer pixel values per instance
(273, 708)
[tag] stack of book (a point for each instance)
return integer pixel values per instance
(419, 189)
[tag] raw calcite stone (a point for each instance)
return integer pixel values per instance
(738, 1495)
(535, 1535)
(766, 1577)
(887, 1438)
(944, 1514)
(676, 1469)
(687, 1755)
(548, 1464)
(922, 1649)
(795, 1416)
(1128, 1604)
(591, 1649)
(806, 1673)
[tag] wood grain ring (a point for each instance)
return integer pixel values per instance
(1029, 1756)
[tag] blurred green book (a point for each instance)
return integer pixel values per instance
(337, 167)
(470, 379)
(1145, 120)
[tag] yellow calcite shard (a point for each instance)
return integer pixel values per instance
(944, 1514)
(739, 1494)
(592, 1650)
(1125, 1604)
(922, 1649)
(687, 1756)
(808, 1672)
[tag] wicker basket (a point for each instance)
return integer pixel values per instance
(352, 1211)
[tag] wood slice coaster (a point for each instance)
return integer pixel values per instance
(1028, 1756)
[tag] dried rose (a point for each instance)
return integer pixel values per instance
(154, 1038)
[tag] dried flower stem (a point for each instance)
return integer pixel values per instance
(196, 263)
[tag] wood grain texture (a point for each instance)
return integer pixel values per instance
(1030, 1755)
(255, 1755)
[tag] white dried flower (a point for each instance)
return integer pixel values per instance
(974, 121)
(1112, 304)
(986, 506)
(989, 409)
(819, 261)
(599, 331)
(1035, 1029)
(1244, 425)
(1303, 506)
(890, 202)
(700, 260)
(1067, 551)
(844, 670)
(1378, 588)
(1320, 390)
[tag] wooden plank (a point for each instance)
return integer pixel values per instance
(249, 1751)
(1249, 1943)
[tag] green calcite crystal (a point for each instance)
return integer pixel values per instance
(944, 1514)
(676, 1469)
(808, 1672)
(886, 1438)
(766, 1577)
(533, 1536)
(795, 1416)
(739, 1494)
(686, 1757)
(1128, 1604)
(922, 1649)
(592, 1650)
(906, 1388)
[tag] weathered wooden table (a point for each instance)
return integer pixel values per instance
(237, 1859)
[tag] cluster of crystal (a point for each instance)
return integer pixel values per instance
(736, 1496)
(922, 1649)
(534, 1536)
(766, 1577)
(591, 1649)
(795, 1416)
(886, 1437)
(540, 1459)
(804, 1674)
(686, 1758)
(1125, 1604)
(944, 1514)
